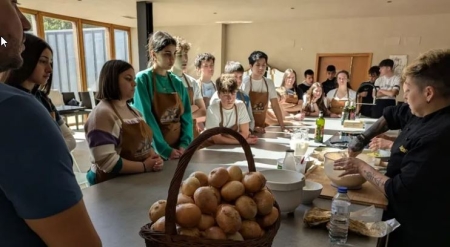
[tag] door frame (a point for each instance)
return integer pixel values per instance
(319, 55)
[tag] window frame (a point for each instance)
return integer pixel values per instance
(78, 28)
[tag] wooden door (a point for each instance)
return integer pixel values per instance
(357, 64)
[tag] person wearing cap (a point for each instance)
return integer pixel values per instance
(330, 83)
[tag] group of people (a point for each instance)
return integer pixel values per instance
(145, 118)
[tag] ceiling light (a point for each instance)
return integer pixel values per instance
(234, 22)
(292, 8)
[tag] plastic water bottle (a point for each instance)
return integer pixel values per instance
(340, 215)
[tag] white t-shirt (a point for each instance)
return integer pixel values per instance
(351, 96)
(213, 116)
(207, 88)
(193, 84)
(388, 83)
(259, 86)
(215, 99)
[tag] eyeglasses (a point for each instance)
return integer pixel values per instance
(228, 94)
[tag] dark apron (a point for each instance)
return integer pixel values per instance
(380, 104)
(260, 103)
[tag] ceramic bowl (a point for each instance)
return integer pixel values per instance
(353, 181)
(287, 188)
(319, 152)
(311, 191)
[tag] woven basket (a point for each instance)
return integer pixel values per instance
(170, 237)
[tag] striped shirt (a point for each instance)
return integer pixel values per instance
(103, 131)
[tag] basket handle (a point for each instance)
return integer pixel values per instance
(183, 163)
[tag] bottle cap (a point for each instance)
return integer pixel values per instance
(289, 151)
(342, 189)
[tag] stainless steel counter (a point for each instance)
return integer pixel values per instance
(119, 207)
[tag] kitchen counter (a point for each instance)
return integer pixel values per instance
(119, 207)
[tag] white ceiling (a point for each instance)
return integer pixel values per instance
(201, 12)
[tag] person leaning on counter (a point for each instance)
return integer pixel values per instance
(163, 100)
(119, 139)
(228, 112)
(418, 171)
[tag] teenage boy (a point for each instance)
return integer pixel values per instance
(309, 80)
(330, 83)
(387, 86)
(228, 112)
(204, 63)
(366, 91)
(261, 91)
(237, 69)
(179, 68)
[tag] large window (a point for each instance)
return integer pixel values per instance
(96, 52)
(80, 48)
(61, 36)
(121, 42)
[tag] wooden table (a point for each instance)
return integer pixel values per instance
(119, 207)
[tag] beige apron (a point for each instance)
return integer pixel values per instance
(337, 106)
(260, 102)
(191, 97)
(135, 143)
(168, 109)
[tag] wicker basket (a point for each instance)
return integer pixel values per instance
(170, 237)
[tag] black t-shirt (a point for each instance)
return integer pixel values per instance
(304, 87)
(328, 85)
(366, 110)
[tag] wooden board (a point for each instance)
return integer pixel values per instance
(367, 195)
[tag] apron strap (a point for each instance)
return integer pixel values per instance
(236, 113)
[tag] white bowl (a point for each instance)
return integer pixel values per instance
(353, 181)
(287, 188)
(311, 191)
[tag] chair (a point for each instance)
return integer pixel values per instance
(68, 96)
(86, 100)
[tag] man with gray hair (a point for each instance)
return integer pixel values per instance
(41, 203)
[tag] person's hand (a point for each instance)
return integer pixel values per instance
(181, 150)
(175, 154)
(333, 115)
(299, 116)
(154, 163)
(363, 94)
(380, 143)
(251, 139)
(355, 147)
(314, 100)
(260, 130)
(349, 165)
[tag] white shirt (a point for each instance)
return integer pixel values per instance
(215, 99)
(207, 88)
(388, 83)
(259, 86)
(213, 116)
(193, 84)
(332, 95)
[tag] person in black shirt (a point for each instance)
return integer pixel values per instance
(418, 169)
(309, 80)
(366, 91)
(330, 83)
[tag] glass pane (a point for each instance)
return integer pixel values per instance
(96, 52)
(32, 19)
(61, 36)
(121, 45)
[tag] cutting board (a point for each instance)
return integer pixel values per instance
(367, 195)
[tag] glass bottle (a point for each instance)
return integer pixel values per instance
(320, 129)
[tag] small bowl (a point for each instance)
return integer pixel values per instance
(311, 191)
(287, 188)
